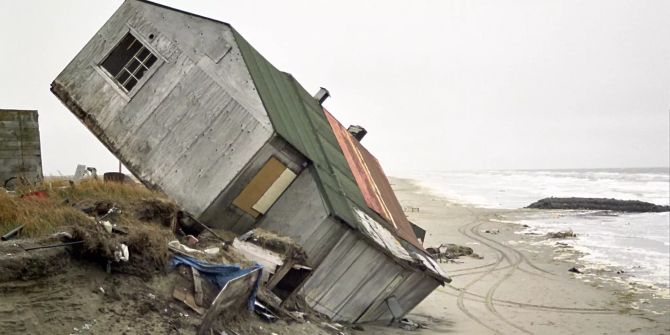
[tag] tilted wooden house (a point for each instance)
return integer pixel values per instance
(192, 109)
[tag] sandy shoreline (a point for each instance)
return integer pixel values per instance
(521, 286)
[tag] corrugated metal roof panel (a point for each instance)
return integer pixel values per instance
(372, 182)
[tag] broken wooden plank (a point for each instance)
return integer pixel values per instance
(280, 273)
(182, 294)
(197, 286)
(274, 302)
(269, 260)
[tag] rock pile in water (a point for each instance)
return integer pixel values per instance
(598, 204)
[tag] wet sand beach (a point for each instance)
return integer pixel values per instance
(522, 284)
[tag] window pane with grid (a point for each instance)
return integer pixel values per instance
(128, 62)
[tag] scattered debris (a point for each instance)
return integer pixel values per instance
(146, 243)
(455, 251)
(411, 209)
(574, 270)
(269, 260)
(562, 234)
(107, 225)
(157, 210)
(66, 244)
(197, 286)
(121, 253)
(182, 294)
(35, 195)
(114, 177)
(449, 252)
(410, 325)
(279, 244)
(212, 251)
(238, 289)
(476, 256)
(82, 171)
(264, 312)
(12, 233)
(110, 230)
(337, 328)
(191, 240)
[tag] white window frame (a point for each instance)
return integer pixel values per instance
(111, 80)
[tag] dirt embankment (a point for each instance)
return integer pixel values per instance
(64, 271)
(598, 204)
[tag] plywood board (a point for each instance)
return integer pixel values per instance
(182, 294)
(274, 191)
(267, 175)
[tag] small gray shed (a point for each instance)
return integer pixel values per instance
(20, 155)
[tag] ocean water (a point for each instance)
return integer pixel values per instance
(637, 243)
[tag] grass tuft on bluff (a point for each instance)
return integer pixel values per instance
(66, 206)
(146, 216)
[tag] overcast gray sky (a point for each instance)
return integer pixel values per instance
(438, 84)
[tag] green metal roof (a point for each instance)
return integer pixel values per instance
(299, 119)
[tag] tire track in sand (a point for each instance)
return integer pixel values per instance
(471, 230)
(514, 259)
(514, 304)
(488, 301)
(461, 296)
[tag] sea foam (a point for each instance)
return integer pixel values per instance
(635, 243)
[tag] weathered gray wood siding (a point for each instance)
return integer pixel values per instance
(352, 279)
(223, 214)
(20, 154)
(195, 123)
(301, 214)
(415, 287)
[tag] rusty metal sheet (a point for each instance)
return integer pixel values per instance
(372, 182)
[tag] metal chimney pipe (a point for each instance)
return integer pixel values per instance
(357, 132)
(322, 95)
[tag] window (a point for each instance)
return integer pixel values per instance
(128, 62)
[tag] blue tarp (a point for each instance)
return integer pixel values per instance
(220, 274)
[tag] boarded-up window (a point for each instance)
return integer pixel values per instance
(265, 188)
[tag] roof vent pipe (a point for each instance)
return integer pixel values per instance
(322, 95)
(357, 132)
